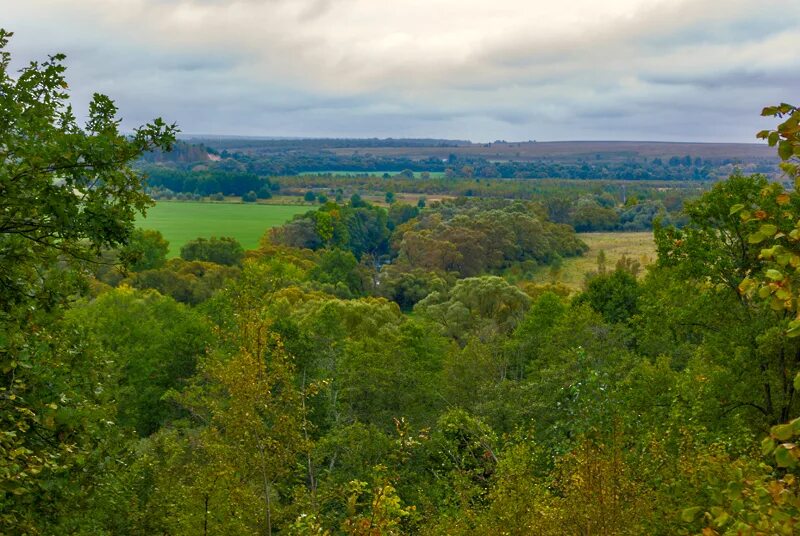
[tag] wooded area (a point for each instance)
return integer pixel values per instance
(371, 371)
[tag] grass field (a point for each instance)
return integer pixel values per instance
(639, 246)
(181, 221)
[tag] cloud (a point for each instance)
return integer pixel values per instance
(647, 69)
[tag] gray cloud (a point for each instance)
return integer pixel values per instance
(513, 69)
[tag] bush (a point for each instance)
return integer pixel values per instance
(250, 197)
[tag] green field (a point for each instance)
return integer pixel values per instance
(181, 221)
(639, 246)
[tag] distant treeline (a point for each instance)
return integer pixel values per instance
(292, 157)
(267, 146)
(183, 153)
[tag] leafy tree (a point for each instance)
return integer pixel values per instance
(67, 193)
(488, 305)
(156, 344)
(224, 250)
(310, 196)
(146, 250)
(339, 266)
(189, 282)
(356, 201)
(250, 197)
(615, 295)
(408, 288)
(229, 471)
(399, 213)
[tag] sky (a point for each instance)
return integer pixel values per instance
(665, 70)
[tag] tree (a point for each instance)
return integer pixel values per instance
(487, 304)
(146, 250)
(767, 500)
(399, 213)
(614, 295)
(156, 344)
(338, 266)
(389, 198)
(357, 202)
(189, 282)
(250, 197)
(229, 469)
(310, 196)
(66, 193)
(224, 250)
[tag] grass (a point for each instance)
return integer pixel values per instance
(181, 221)
(639, 246)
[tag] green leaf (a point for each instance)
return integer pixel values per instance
(774, 274)
(768, 229)
(784, 457)
(689, 514)
(736, 208)
(755, 238)
(793, 331)
(785, 149)
(782, 432)
(722, 518)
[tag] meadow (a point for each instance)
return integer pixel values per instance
(181, 221)
(638, 246)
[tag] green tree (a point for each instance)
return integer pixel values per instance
(146, 250)
(68, 192)
(155, 343)
(486, 305)
(339, 266)
(614, 295)
(224, 250)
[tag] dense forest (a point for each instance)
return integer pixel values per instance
(378, 371)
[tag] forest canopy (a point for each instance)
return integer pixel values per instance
(383, 371)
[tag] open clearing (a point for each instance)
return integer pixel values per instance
(181, 221)
(638, 246)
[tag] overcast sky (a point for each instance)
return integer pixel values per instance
(695, 70)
